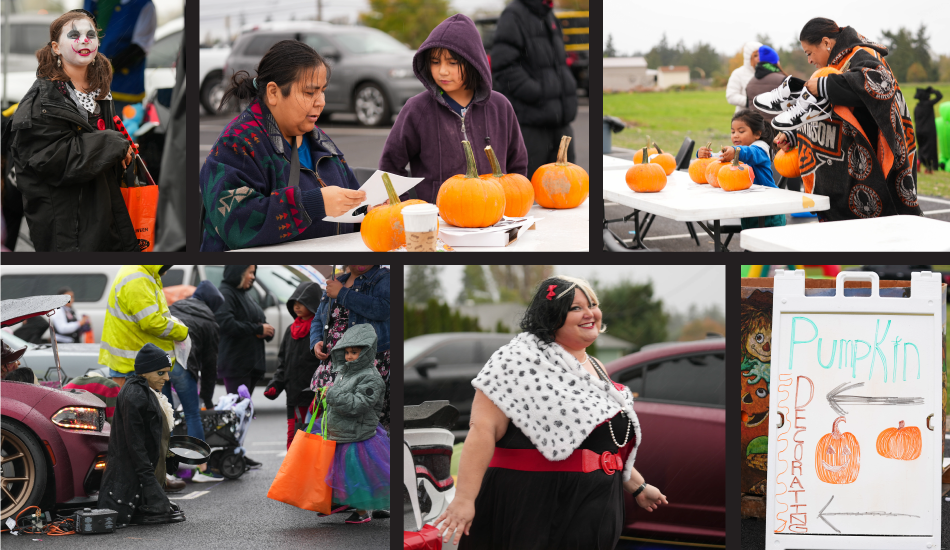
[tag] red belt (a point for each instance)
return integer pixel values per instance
(531, 460)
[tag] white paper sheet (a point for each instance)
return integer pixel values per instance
(376, 194)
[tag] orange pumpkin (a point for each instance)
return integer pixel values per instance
(561, 184)
(736, 176)
(638, 156)
(665, 160)
(787, 163)
(382, 228)
(466, 200)
(825, 71)
(519, 195)
(697, 168)
(899, 443)
(646, 177)
(838, 456)
(712, 171)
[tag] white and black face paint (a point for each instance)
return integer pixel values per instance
(78, 43)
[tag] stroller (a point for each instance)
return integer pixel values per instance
(225, 428)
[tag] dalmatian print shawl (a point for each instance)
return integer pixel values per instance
(549, 396)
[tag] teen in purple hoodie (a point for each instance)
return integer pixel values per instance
(458, 104)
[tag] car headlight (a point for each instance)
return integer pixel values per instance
(400, 73)
(79, 418)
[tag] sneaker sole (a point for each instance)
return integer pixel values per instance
(800, 124)
(770, 111)
(333, 511)
(367, 520)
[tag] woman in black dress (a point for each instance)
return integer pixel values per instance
(552, 440)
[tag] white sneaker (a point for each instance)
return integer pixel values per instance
(807, 109)
(206, 477)
(778, 100)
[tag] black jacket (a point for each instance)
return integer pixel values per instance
(295, 360)
(240, 320)
(69, 174)
(203, 330)
(529, 65)
(134, 445)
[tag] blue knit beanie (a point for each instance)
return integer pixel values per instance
(767, 55)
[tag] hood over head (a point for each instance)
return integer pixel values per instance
(233, 275)
(457, 33)
(152, 270)
(209, 294)
(747, 50)
(308, 293)
(363, 336)
(539, 7)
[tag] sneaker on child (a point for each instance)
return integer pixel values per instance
(206, 477)
(337, 508)
(808, 109)
(357, 517)
(778, 100)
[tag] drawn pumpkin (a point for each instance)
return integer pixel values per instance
(899, 443)
(838, 456)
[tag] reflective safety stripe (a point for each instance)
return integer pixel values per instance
(168, 329)
(129, 278)
(123, 353)
(119, 314)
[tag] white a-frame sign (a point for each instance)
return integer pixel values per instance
(855, 417)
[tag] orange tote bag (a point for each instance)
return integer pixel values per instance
(301, 481)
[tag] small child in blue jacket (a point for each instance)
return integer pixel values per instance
(751, 136)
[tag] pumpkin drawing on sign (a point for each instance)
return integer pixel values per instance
(899, 443)
(838, 456)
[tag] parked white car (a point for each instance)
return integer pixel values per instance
(211, 76)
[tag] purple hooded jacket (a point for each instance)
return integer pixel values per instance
(428, 134)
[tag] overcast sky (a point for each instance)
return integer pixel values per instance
(213, 12)
(678, 286)
(638, 26)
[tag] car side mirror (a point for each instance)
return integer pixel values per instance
(423, 366)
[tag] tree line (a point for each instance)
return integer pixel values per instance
(909, 56)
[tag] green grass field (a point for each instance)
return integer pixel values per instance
(668, 117)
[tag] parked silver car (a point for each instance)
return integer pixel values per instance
(371, 71)
(75, 359)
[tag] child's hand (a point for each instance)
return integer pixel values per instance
(704, 153)
(782, 142)
(727, 154)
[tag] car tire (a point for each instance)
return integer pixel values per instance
(212, 90)
(371, 104)
(27, 470)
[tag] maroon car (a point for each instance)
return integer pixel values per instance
(54, 441)
(681, 403)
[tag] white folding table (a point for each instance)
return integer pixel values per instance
(684, 200)
(887, 234)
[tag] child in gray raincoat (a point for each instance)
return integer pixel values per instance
(359, 474)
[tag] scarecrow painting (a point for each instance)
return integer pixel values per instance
(756, 333)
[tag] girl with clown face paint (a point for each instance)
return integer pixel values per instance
(68, 155)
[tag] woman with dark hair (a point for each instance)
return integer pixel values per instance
(552, 439)
(68, 156)
(854, 134)
(273, 175)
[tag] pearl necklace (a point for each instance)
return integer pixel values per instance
(610, 425)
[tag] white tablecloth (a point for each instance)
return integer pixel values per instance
(560, 231)
(887, 234)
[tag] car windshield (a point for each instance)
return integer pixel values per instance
(278, 280)
(367, 41)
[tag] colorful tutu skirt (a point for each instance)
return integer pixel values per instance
(359, 473)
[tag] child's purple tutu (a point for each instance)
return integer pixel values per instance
(359, 473)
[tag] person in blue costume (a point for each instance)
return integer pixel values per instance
(127, 34)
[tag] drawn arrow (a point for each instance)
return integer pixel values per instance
(835, 400)
(822, 514)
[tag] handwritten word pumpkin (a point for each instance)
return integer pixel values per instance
(899, 443)
(697, 168)
(787, 163)
(646, 177)
(519, 194)
(561, 184)
(382, 228)
(466, 200)
(838, 456)
(665, 160)
(735, 176)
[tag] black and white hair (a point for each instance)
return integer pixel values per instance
(545, 316)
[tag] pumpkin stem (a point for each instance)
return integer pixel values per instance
(643, 158)
(900, 425)
(735, 161)
(657, 147)
(393, 197)
(562, 150)
(471, 172)
(495, 165)
(708, 144)
(835, 432)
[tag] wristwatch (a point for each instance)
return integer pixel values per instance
(639, 490)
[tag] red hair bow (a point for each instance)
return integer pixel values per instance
(551, 291)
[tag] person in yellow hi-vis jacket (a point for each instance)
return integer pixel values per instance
(137, 314)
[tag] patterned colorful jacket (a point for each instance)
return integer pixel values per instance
(245, 186)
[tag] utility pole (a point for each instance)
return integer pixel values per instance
(319, 10)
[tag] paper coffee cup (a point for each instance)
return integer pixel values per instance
(421, 222)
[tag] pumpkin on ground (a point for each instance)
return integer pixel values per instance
(697, 168)
(735, 176)
(665, 160)
(561, 184)
(646, 177)
(519, 194)
(466, 200)
(838, 456)
(382, 228)
(787, 163)
(899, 443)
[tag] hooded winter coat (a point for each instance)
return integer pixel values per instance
(129, 480)
(240, 320)
(197, 313)
(296, 362)
(428, 134)
(739, 79)
(356, 397)
(367, 301)
(68, 173)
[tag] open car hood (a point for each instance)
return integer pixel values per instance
(20, 309)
